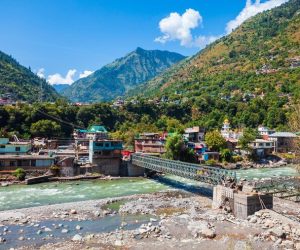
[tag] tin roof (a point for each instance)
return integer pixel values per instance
(283, 134)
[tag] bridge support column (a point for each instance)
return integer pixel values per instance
(135, 171)
(241, 203)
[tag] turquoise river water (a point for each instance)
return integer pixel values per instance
(20, 196)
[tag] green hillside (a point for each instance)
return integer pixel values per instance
(250, 76)
(123, 74)
(20, 84)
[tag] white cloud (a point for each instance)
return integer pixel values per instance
(251, 9)
(59, 79)
(85, 73)
(41, 73)
(202, 41)
(178, 27)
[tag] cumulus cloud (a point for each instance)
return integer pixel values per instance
(178, 27)
(251, 9)
(59, 79)
(85, 73)
(202, 41)
(41, 73)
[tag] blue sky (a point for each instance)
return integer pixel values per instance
(83, 35)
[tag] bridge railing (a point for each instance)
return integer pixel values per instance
(203, 173)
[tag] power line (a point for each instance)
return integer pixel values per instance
(60, 120)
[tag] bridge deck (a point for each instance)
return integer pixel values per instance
(202, 173)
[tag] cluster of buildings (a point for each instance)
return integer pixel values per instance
(267, 143)
(92, 150)
(15, 154)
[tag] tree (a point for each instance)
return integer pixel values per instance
(226, 155)
(249, 135)
(215, 141)
(45, 128)
(294, 125)
(177, 150)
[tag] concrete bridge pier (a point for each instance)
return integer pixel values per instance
(242, 203)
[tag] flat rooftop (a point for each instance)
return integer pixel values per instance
(26, 157)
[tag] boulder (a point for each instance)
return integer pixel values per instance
(253, 219)
(201, 228)
(73, 211)
(77, 237)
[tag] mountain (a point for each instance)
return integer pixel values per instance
(123, 74)
(251, 75)
(20, 84)
(60, 87)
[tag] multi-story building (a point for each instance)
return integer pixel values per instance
(262, 147)
(194, 134)
(151, 143)
(284, 141)
(105, 156)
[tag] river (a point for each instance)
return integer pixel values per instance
(21, 196)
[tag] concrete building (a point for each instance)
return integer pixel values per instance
(151, 143)
(105, 156)
(262, 147)
(18, 148)
(194, 134)
(284, 141)
(27, 162)
(94, 132)
(265, 131)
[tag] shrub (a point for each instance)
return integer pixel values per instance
(226, 155)
(20, 174)
(237, 158)
(211, 162)
(55, 170)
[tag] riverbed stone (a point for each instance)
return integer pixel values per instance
(77, 237)
(278, 232)
(21, 238)
(2, 240)
(73, 211)
(39, 232)
(47, 229)
(64, 231)
(97, 213)
(253, 219)
(78, 227)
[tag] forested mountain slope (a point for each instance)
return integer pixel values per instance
(123, 74)
(20, 84)
(251, 75)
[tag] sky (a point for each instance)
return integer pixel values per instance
(64, 40)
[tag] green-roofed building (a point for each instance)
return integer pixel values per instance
(97, 129)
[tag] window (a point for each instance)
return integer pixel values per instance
(18, 149)
(107, 145)
(2, 146)
(12, 163)
(99, 144)
(268, 144)
(33, 163)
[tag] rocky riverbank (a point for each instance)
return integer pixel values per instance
(177, 220)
